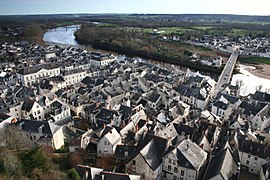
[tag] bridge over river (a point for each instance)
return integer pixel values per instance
(225, 76)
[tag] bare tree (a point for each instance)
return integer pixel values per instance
(14, 139)
(259, 87)
(267, 90)
(239, 83)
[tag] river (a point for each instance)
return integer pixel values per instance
(63, 35)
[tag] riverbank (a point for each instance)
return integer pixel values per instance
(261, 70)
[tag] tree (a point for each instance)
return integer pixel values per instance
(34, 159)
(74, 159)
(73, 174)
(239, 83)
(14, 141)
(259, 87)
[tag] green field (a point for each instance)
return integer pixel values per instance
(202, 27)
(106, 25)
(255, 60)
(163, 30)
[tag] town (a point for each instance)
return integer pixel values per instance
(130, 119)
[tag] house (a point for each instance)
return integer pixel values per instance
(174, 130)
(222, 166)
(33, 110)
(222, 110)
(252, 154)
(59, 111)
(249, 111)
(147, 159)
(231, 100)
(261, 118)
(43, 132)
(34, 74)
(260, 97)
(265, 171)
(98, 59)
(92, 173)
(87, 172)
(196, 91)
(108, 142)
(154, 100)
(107, 116)
(113, 175)
(73, 76)
(185, 161)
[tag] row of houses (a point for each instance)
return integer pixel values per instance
(156, 123)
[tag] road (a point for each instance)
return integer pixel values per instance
(225, 77)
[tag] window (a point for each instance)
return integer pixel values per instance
(39, 117)
(182, 173)
(175, 169)
(247, 162)
(134, 162)
(248, 156)
(105, 142)
(174, 162)
(255, 158)
(15, 109)
(170, 161)
(169, 167)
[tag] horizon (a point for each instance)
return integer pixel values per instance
(85, 13)
(44, 7)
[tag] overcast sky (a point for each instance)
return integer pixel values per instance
(243, 7)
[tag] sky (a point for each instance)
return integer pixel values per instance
(242, 7)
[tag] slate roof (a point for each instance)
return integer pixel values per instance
(153, 152)
(59, 93)
(36, 68)
(28, 104)
(221, 105)
(125, 111)
(188, 91)
(121, 149)
(254, 148)
(106, 115)
(48, 128)
(190, 155)
(261, 96)
(230, 98)
(104, 175)
(90, 171)
(90, 108)
(183, 129)
(251, 109)
(196, 79)
(215, 165)
(153, 97)
(157, 147)
(23, 92)
(57, 105)
(266, 168)
(93, 81)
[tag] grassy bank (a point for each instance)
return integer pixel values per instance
(140, 44)
(254, 60)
